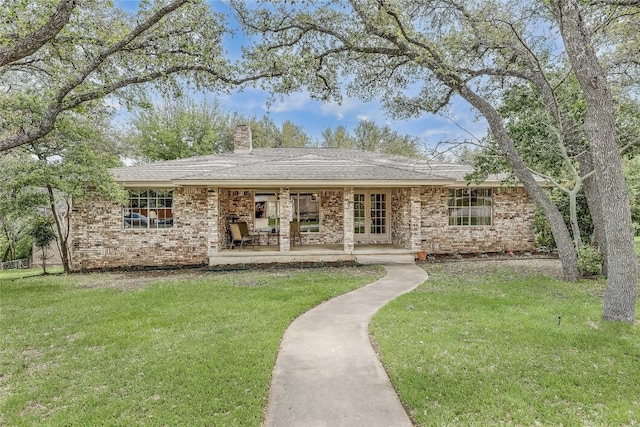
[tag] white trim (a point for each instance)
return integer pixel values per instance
(367, 236)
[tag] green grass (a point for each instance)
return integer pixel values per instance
(17, 274)
(130, 349)
(637, 240)
(482, 345)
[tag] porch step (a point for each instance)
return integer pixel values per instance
(250, 257)
(364, 254)
(386, 259)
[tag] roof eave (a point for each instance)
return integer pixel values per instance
(301, 183)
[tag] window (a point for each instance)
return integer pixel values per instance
(266, 213)
(470, 206)
(148, 208)
(306, 211)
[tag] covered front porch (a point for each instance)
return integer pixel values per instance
(263, 254)
(312, 224)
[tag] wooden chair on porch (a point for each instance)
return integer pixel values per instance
(240, 235)
(294, 231)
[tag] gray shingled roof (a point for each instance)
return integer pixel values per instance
(294, 164)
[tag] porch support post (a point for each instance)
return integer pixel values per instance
(416, 218)
(213, 220)
(349, 234)
(286, 214)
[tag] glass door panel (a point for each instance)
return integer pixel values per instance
(370, 214)
(359, 219)
(378, 213)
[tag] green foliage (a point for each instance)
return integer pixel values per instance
(20, 249)
(76, 157)
(508, 345)
(18, 205)
(631, 169)
(104, 50)
(186, 348)
(292, 136)
(536, 132)
(180, 128)
(338, 138)
(264, 131)
(43, 234)
(42, 231)
(368, 136)
(71, 163)
(590, 261)
(544, 236)
(24, 248)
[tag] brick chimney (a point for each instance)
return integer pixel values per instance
(242, 139)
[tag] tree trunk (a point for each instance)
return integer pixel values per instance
(44, 261)
(619, 300)
(62, 237)
(592, 194)
(6, 254)
(573, 215)
(564, 242)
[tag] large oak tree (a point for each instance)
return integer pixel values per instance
(57, 56)
(475, 50)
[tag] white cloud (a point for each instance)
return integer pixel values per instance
(349, 107)
(295, 102)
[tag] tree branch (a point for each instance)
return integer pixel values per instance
(34, 41)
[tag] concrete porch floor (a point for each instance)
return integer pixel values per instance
(266, 254)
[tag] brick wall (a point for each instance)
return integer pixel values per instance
(406, 216)
(237, 202)
(419, 219)
(513, 224)
(401, 217)
(100, 241)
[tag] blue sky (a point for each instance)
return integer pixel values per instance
(459, 124)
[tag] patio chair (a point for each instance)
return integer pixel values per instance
(244, 229)
(238, 237)
(294, 231)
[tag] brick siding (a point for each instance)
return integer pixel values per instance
(418, 219)
(513, 224)
(100, 241)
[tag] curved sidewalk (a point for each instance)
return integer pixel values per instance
(327, 373)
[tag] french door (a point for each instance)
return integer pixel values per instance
(371, 216)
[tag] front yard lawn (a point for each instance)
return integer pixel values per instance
(484, 344)
(165, 349)
(18, 274)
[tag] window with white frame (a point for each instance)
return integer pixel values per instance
(470, 206)
(306, 211)
(148, 208)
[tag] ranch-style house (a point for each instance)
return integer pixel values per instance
(296, 204)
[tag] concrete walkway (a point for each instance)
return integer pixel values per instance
(327, 373)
